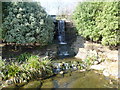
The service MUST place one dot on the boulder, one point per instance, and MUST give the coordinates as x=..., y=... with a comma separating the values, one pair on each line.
x=97, y=67
x=82, y=53
x=113, y=55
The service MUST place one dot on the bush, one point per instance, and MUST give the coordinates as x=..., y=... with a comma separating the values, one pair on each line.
x=98, y=21
x=26, y=22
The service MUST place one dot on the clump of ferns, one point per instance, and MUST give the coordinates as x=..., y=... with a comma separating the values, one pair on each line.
x=30, y=68
x=36, y=67
x=46, y=67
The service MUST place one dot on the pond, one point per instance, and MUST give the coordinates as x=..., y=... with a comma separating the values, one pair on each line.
x=79, y=79
x=87, y=79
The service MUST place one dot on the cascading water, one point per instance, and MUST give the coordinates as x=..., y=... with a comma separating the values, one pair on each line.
x=63, y=52
x=61, y=32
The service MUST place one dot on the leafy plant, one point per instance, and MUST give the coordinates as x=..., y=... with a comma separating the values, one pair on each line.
x=2, y=63
x=0, y=34
x=33, y=62
x=90, y=60
x=32, y=67
x=98, y=21
x=12, y=70
x=26, y=22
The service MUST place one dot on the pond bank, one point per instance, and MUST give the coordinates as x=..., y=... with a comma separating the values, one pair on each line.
x=107, y=59
x=108, y=68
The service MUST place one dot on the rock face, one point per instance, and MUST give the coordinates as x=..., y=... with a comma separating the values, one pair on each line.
x=78, y=44
x=113, y=55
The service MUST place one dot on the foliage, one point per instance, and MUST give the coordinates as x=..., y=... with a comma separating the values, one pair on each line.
x=98, y=21
x=23, y=57
x=26, y=22
x=2, y=66
x=12, y=70
x=2, y=63
x=90, y=60
x=30, y=68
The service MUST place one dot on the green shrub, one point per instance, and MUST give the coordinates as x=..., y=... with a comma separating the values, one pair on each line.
x=27, y=22
x=98, y=21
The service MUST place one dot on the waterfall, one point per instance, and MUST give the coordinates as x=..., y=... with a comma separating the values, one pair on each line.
x=61, y=32
x=61, y=38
